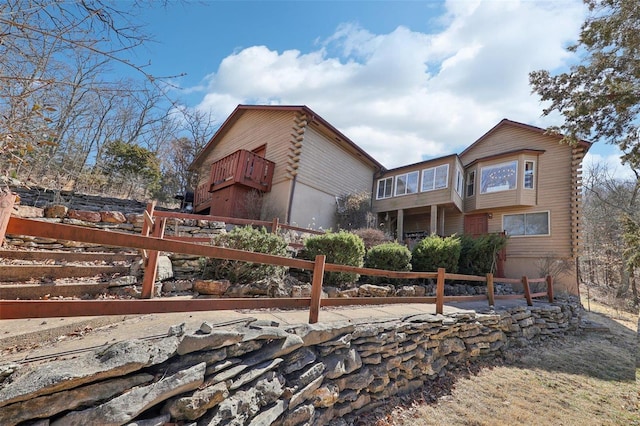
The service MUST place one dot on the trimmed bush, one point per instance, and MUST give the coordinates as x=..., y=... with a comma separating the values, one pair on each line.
x=435, y=252
x=342, y=248
x=371, y=237
x=390, y=257
x=248, y=239
x=478, y=254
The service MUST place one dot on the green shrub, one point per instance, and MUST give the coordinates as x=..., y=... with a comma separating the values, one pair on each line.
x=478, y=254
x=342, y=248
x=435, y=252
x=247, y=239
x=390, y=257
x=371, y=236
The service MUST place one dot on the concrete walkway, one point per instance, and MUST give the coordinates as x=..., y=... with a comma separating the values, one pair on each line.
x=28, y=339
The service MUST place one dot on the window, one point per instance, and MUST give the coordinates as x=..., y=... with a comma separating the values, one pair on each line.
x=407, y=183
x=498, y=177
x=471, y=183
x=384, y=188
x=435, y=178
x=526, y=224
x=459, y=181
x=529, y=170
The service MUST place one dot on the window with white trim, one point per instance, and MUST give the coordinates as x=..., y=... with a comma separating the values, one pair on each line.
x=471, y=183
x=407, y=183
x=498, y=177
x=435, y=178
x=526, y=224
x=529, y=174
x=459, y=181
x=385, y=188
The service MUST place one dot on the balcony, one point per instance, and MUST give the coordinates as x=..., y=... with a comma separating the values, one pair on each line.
x=242, y=167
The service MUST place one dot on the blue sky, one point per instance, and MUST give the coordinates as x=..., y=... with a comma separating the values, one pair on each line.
x=405, y=80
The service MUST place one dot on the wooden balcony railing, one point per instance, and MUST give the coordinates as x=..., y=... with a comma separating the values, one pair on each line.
x=242, y=167
x=202, y=197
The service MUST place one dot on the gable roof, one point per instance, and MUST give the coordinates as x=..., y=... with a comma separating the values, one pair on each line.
x=507, y=122
x=314, y=118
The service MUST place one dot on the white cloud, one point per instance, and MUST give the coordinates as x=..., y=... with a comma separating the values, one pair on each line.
x=406, y=95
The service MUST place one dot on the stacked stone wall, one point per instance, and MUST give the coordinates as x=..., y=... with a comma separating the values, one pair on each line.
x=263, y=374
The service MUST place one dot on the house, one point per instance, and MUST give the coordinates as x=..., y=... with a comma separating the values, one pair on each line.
x=515, y=179
x=280, y=161
x=287, y=161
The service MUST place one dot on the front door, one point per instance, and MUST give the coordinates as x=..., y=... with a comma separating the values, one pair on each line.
x=476, y=224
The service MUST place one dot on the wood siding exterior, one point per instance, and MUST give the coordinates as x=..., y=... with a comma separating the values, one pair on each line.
x=308, y=153
x=552, y=191
x=442, y=196
x=330, y=168
x=252, y=130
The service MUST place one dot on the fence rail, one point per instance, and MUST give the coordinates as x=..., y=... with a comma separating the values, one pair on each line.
x=152, y=241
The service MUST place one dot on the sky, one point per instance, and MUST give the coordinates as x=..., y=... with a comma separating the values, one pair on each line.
x=405, y=80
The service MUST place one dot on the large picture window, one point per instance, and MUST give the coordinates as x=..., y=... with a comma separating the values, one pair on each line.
x=498, y=177
x=435, y=178
x=385, y=188
x=407, y=183
x=526, y=224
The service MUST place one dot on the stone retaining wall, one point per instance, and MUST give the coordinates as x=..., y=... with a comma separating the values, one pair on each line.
x=106, y=219
x=263, y=374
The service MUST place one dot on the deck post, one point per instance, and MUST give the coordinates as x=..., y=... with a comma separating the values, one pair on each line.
x=527, y=291
x=316, y=288
x=151, y=263
x=440, y=291
x=275, y=224
x=7, y=200
x=550, y=288
x=490, y=291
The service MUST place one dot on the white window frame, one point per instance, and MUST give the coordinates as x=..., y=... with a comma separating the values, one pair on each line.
x=406, y=185
x=532, y=172
x=433, y=187
x=498, y=166
x=459, y=181
x=471, y=184
x=548, y=213
x=383, y=181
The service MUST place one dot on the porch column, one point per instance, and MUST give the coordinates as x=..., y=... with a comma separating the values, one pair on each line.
x=400, y=226
x=441, y=222
x=433, y=226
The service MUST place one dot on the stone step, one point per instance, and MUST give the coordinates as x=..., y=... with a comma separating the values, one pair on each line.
x=67, y=256
x=14, y=273
x=42, y=291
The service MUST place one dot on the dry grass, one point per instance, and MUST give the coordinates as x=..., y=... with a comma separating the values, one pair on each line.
x=587, y=379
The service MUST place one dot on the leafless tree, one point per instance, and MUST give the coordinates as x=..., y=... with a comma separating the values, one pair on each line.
x=606, y=200
x=59, y=103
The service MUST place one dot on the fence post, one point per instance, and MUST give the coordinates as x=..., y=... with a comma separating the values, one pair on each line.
x=147, y=224
x=7, y=199
x=316, y=288
x=274, y=225
x=440, y=291
x=490, y=290
x=527, y=291
x=550, y=288
x=151, y=263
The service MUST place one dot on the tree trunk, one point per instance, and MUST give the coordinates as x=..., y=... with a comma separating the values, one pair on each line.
x=634, y=288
